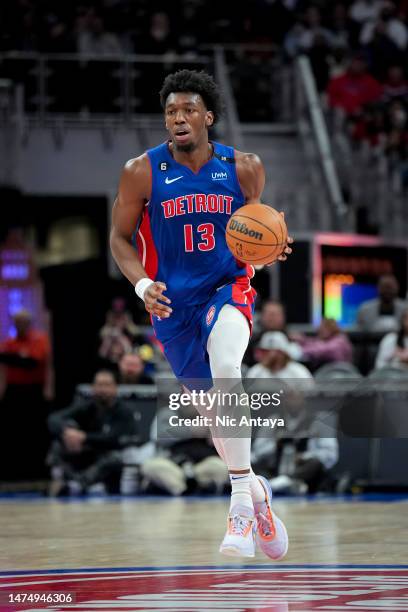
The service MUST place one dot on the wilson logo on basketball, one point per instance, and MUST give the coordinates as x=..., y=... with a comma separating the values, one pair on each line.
x=210, y=315
x=243, y=229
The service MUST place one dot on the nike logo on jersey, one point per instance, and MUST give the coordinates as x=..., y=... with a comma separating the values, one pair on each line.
x=168, y=180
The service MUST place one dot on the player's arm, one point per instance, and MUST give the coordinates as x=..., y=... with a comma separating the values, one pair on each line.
x=251, y=176
x=134, y=191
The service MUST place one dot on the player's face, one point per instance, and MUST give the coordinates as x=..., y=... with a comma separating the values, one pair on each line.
x=187, y=120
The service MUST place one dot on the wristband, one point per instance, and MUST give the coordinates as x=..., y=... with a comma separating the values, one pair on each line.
x=142, y=285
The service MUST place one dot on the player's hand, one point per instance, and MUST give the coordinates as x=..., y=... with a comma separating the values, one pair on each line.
x=155, y=301
x=283, y=256
x=73, y=439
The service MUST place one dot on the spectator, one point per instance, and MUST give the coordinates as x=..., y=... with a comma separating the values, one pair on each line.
x=352, y=90
x=340, y=26
x=363, y=11
x=132, y=371
x=93, y=39
x=395, y=85
x=303, y=36
x=186, y=460
x=329, y=346
x=113, y=348
x=27, y=355
x=90, y=436
x=396, y=145
x=275, y=360
x=159, y=37
x=272, y=318
x=387, y=25
x=382, y=313
x=300, y=456
x=393, y=348
x=120, y=319
x=26, y=358
x=299, y=464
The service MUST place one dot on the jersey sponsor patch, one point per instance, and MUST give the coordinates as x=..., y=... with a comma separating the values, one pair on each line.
x=210, y=315
x=219, y=176
x=242, y=589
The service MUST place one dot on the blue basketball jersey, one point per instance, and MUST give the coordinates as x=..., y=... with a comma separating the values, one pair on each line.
x=181, y=237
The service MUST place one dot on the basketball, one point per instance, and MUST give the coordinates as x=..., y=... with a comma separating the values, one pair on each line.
x=256, y=234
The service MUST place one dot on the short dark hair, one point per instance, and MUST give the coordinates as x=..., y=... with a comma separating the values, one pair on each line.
x=111, y=373
x=195, y=82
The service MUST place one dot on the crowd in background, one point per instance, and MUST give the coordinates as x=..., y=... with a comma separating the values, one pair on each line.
x=97, y=440
x=358, y=51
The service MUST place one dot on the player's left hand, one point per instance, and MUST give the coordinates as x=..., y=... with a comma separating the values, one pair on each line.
x=287, y=251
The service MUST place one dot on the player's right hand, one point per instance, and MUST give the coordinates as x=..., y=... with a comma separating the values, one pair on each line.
x=154, y=298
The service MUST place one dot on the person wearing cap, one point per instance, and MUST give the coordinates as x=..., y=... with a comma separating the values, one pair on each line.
x=274, y=358
x=300, y=456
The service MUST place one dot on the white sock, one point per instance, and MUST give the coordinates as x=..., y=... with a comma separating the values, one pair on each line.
x=240, y=490
x=226, y=346
x=257, y=490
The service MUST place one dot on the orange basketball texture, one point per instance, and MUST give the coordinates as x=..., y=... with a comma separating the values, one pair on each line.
x=256, y=234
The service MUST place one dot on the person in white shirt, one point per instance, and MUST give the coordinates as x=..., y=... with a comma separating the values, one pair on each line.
x=274, y=360
x=393, y=348
x=300, y=456
x=362, y=11
x=387, y=24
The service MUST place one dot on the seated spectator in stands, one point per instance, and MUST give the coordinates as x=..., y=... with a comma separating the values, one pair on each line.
x=90, y=436
x=186, y=460
x=330, y=345
x=275, y=361
x=383, y=313
x=299, y=464
x=363, y=11
x=395, y=85
x=299, y=456
x=132, y=371
x=396, y=144
x=369, y=126
x=158, y=37
x=112, y=349
x=353, y=89
x=387, y=24
x=272, y=318
x=118, y=318
x=340, y=26
x=311, y=38
x=393, y=348
x=303, y=36
x=93, y=39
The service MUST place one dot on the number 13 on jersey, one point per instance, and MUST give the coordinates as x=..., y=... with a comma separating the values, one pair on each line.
x=205, y=241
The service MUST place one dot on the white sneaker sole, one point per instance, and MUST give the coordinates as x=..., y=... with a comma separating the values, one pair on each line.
x=234, y=551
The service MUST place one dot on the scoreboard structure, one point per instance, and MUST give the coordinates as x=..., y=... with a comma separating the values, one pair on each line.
x=330, y=275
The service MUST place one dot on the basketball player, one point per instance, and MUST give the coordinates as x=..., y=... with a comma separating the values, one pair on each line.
x=179, y=196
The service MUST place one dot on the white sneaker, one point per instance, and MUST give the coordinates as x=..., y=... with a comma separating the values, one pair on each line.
x=271, y=536
x=239, y=541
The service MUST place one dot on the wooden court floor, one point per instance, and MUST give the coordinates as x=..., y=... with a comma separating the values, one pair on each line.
x=148, y=533
x=54, y=534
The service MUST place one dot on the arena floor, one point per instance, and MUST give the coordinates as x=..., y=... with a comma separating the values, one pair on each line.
x=160, y=553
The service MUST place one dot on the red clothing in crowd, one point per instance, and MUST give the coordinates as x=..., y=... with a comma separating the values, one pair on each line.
x=352, y=91
x=34, y=345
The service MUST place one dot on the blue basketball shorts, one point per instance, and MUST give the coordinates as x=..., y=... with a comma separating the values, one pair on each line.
x=184, y=334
